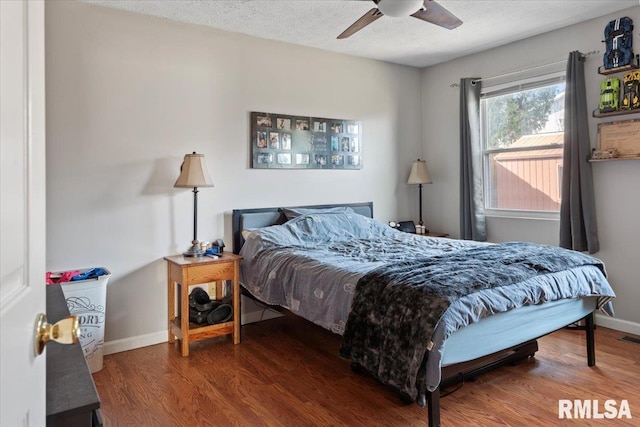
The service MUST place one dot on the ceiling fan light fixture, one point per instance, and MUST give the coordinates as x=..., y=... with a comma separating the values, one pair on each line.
x=399, y=8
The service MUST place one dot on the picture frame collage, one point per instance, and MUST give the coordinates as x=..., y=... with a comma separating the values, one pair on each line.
x=282, y=141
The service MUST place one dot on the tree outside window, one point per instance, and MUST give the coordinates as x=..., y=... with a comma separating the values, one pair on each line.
x=523, y=133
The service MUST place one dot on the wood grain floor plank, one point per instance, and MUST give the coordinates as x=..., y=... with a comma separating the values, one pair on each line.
x=286, y=372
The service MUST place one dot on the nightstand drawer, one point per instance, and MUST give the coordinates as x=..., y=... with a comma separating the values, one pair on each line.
x=201, y=273
x=209, y=273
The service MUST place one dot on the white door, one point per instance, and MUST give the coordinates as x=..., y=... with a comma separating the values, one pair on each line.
x=22, y=211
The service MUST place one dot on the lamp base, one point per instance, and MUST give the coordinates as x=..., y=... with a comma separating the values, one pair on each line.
x=194, y=250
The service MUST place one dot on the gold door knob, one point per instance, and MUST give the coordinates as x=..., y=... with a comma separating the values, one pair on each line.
x=65, y=331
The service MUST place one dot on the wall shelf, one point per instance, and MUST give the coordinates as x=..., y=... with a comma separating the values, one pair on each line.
x=613, y=159
x=598, y=114
x=607, y=71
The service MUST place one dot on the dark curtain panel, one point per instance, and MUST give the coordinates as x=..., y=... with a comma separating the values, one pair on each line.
x=578, y=229
x=472, y=222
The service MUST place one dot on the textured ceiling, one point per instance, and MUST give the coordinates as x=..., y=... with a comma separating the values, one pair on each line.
x=316, y=23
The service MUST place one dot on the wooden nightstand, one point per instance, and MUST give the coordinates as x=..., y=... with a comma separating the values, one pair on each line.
x=434, y=234
x=183, y=272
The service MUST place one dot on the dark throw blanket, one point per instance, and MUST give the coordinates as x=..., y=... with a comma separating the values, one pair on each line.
x=396, y=307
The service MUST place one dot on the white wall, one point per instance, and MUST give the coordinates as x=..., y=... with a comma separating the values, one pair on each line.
x=129, y=95
x=616, y=183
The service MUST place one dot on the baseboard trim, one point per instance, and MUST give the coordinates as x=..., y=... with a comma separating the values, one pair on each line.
x=132, y=343
x=618, y=324
x=160, y=337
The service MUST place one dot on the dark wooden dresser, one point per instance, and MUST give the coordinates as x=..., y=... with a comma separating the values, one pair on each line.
x=72, y=399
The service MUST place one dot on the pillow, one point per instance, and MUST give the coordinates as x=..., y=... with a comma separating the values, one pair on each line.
x=246, y=233
x=313, y=229
x=291, y=213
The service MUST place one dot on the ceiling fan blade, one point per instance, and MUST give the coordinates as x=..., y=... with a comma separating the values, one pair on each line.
x=365, y=20
x=438, y=15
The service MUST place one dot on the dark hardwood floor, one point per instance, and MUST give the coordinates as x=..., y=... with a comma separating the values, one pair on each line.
x=286, y=372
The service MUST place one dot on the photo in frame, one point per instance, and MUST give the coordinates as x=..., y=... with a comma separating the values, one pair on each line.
x=282, y=141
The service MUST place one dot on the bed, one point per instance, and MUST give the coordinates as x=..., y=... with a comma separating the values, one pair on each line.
x=331, y=264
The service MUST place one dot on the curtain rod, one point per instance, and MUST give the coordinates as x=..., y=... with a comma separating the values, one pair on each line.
x=582, y=55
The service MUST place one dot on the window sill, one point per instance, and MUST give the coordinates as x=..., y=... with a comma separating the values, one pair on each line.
x=535, y=215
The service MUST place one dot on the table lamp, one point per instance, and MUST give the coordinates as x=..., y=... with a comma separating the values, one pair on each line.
x=419, y=175
x=194, y=174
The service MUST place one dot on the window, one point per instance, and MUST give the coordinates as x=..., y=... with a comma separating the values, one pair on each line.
x=522, y=138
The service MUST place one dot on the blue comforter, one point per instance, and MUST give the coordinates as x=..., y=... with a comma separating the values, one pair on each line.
x=311, y=264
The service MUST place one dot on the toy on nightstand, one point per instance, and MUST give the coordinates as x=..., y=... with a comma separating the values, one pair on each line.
x=217, y=247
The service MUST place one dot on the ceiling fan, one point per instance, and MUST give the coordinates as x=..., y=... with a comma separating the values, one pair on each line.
x=427, y=10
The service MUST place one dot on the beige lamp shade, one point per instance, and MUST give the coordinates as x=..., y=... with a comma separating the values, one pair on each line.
x=419, y=173
x=193, y=172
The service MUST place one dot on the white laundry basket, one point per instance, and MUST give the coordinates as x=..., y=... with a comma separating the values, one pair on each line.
x=87, y=299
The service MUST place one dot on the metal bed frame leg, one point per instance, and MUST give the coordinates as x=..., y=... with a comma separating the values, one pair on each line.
x=591, y=348
x=433, y=405
x=433, y=397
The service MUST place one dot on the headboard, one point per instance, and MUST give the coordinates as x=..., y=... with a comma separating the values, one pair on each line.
x=263, y=217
